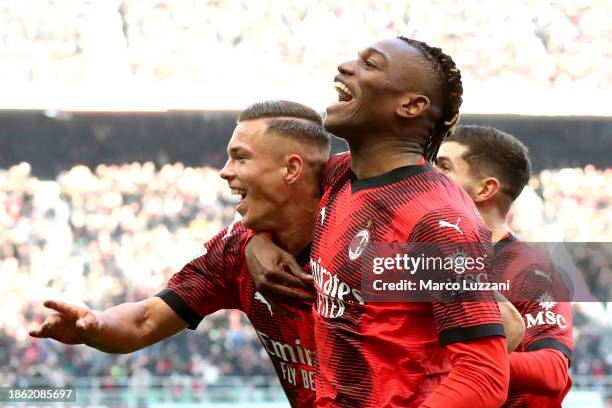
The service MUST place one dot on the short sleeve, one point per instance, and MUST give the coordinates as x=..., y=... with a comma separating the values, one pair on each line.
x=209, y=282
x=463, y=315
x=542, y=301
x=540, y=293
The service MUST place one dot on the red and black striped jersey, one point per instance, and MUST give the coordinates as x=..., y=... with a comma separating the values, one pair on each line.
x=541, y=294
x=219, y=279
x=389, y=354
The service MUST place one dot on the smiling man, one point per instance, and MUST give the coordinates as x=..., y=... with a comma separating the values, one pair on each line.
x=275, y=157
x=397, y=101
x=494, y=167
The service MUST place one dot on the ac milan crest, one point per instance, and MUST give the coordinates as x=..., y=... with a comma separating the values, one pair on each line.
x=359, y=244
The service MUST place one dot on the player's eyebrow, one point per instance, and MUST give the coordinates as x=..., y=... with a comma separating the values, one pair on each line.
x=370, y=51
x=234, y=150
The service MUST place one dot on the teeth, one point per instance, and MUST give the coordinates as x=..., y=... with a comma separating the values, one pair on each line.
x=343, y=87
x=236, y=191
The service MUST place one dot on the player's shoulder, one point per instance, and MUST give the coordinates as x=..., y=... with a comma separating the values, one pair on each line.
x=336, y=171
x=230, y=238
x=449, y=194
x=220, y=257
x=235, y=230
x=447, y=201
x=519, y=250
x=337, y=164
x=519, y=258
x=436, y=205
x=341, y=157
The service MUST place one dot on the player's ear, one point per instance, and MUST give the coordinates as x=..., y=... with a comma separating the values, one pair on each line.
x=413, y=106
x=487, y=189
x=294, y=166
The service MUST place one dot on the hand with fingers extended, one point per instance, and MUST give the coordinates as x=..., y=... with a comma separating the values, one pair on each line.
x=278, y=277
x=69, y=324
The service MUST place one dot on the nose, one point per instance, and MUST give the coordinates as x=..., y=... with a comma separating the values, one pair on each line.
x=347, y=67
x=227, y=172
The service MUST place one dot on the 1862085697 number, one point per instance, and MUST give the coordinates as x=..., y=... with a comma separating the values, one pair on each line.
x=30, y=394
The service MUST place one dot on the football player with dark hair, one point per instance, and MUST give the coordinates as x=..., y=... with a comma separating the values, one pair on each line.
x=494, y=167
x=397, y=101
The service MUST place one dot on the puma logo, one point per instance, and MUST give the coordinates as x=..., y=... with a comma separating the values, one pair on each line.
x=228, y=233
x=449, y=225
x=259, y=296
x=543, y=274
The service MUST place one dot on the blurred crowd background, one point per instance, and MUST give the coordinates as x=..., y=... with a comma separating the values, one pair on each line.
x=195, y=50
x=110, y=233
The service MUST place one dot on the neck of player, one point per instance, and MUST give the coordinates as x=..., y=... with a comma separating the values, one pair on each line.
x=297, y=220
x=371, y=157
x=495, y=220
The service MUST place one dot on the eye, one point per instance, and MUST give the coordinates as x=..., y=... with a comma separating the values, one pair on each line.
x=368, y=64
x=444, y=168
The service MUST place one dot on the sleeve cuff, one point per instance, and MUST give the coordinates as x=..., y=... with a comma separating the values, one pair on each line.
x=180, y=307
x=550, y=343
x=462, y=334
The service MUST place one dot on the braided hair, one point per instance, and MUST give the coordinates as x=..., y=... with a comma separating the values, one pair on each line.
x=449, y=80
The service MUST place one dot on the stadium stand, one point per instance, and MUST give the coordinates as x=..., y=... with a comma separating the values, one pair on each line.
x=144, y=47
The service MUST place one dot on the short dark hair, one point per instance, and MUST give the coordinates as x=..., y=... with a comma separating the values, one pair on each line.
x=291, y=119
x=495, y=153
x=446, y=77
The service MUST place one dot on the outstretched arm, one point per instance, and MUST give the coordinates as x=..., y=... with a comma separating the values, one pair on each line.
x=203, y=286
x=121, y=329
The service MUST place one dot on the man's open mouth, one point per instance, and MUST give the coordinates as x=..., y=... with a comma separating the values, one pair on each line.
x=239, y=192
x=344, y=92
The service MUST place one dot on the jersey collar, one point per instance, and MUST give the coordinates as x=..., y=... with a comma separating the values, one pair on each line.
x=393, y=176
x=506, y=239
